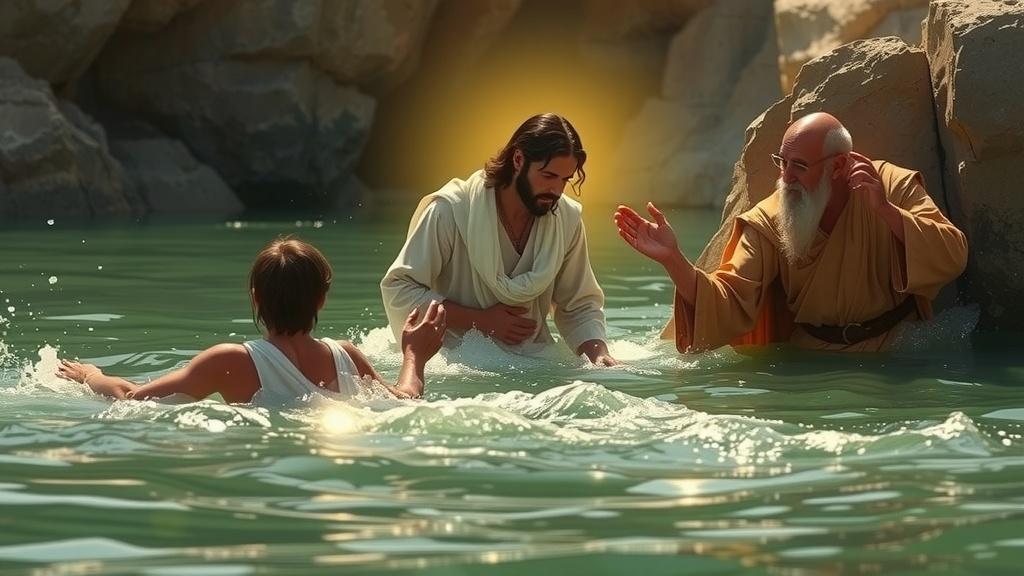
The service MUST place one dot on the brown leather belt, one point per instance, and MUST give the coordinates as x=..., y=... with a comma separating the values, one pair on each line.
x=860, y=331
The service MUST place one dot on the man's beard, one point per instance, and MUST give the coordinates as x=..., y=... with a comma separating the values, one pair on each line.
x=531, y=202
x=800, y=214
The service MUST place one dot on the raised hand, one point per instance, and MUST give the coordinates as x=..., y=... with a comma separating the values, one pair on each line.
x=505, y=323
x=423, y=338
x=656, y=239
x=865, y=180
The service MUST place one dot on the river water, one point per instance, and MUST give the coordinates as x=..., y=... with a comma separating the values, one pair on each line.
x=782, y=462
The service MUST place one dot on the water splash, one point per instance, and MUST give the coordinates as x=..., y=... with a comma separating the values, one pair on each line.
x=949, y=330
x=575, y=419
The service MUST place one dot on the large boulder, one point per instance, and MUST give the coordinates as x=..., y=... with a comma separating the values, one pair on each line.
x=614, y=20
x=464, y=39
x=879, y=89
x=168, y=177
x=720, y=73
x=281, y=134
x=978, y=82
x=365, y=43
x=152, y=15
x=57, y=40
x=273, y=94
x=460, y=33
x=373, y=44
x=54, y=160
x=810, y=28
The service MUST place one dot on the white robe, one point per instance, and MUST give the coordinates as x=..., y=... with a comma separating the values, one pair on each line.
x=438, y=263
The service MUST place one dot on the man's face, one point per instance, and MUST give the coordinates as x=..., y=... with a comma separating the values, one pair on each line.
x=540, y=186
x=803, y=161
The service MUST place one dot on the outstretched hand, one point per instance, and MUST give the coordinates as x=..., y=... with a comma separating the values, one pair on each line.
x=93, y=377
x=656, y=240
x=423, y=338
x=76, y=371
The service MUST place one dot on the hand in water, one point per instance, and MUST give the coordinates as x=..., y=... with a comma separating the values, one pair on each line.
x=597, y=352
x=76, y=371
x=92, y=377
x=423, y=339
x=656, y=239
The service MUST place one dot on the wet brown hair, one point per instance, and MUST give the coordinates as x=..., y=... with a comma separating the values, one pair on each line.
x=288, y=280
x=540, y=138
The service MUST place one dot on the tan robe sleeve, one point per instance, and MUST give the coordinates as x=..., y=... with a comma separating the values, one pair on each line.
x=935, y=251
x=409, y=282
x=729, y=300
x=577, y=298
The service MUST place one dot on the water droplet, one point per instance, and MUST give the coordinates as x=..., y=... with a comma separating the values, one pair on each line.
x=53, y=280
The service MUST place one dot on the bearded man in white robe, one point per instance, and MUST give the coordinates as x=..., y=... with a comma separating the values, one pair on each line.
x=505, y=247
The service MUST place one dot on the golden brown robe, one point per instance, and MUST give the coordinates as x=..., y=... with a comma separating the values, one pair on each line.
x=853, y=274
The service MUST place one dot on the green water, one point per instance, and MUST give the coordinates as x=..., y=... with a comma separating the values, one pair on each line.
x=785, y=462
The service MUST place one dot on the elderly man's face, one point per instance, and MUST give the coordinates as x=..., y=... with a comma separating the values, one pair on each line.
x=802, y=162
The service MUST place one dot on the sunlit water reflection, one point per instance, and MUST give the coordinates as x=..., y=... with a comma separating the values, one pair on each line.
x=779, y=461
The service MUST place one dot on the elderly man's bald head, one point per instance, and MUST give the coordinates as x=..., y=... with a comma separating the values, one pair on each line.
x=817, y=135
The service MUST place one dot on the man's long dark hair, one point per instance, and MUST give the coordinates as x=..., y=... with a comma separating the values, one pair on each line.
x=540, y=138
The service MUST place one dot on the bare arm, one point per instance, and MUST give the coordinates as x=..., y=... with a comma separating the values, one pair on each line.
x=224, y=368
x=420, y=342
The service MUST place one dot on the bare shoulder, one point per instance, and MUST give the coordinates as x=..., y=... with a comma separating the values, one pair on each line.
x=226, y=356
x=347, y=346
x=224, y=351
x=358, y=358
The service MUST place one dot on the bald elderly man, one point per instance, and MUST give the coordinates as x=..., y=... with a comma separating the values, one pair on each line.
x=839, y=257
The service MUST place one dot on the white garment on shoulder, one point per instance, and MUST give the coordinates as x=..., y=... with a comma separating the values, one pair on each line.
x=281, y=381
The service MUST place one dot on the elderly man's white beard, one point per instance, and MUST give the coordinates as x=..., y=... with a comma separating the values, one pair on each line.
x=800, y=214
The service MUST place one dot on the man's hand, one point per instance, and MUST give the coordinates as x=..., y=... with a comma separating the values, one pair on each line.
x=656, y=240
x=505, y=323
x=423, y=339
x=597, y=352
x=865, y=180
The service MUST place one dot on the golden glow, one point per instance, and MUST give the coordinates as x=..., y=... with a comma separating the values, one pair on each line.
x=441, y=126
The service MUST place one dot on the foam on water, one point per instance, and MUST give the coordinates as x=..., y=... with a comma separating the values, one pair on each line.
x=567, y=421
x=949, y=330
x=477, y=355
x=582, y=416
